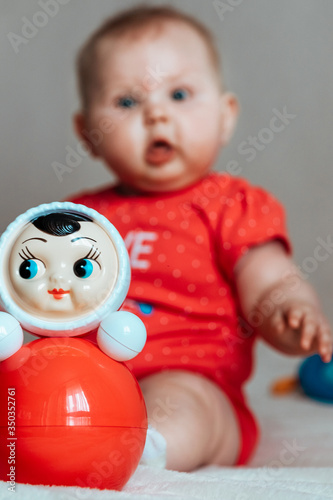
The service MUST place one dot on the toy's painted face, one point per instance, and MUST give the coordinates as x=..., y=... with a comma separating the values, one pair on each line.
x=62, y=277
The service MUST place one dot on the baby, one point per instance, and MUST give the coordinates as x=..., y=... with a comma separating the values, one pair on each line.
x=210, y=256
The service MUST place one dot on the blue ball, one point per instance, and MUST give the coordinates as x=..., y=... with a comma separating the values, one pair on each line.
x=316, y=378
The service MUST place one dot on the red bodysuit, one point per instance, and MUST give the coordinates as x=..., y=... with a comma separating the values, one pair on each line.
x=183, y=247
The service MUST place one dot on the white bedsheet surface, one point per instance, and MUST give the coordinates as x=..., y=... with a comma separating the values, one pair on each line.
x=294, y=459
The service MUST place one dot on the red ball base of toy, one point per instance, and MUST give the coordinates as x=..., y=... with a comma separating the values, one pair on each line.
x=78, y=417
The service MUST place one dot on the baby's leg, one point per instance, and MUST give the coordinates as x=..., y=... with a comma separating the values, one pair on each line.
x=194, y=416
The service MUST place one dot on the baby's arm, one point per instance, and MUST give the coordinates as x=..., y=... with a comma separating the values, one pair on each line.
x=279, y=304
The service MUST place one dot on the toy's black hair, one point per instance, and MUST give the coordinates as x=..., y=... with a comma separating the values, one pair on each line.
x=60, y=223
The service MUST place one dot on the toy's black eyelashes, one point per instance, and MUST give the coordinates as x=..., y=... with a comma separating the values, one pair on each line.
x=27, y=254
x=93, y=255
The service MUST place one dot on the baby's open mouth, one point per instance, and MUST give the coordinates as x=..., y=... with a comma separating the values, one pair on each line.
x=159, y=152
x=58, y=294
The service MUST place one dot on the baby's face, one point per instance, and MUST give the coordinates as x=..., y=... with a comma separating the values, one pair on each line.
x=62, y=277
x=161, y=98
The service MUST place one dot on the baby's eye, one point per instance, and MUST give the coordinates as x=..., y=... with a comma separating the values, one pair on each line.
x=126, y=102
x=84, y=268
x=180, y=94
x=31, y=268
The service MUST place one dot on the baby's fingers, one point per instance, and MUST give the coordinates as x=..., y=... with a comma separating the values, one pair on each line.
x=295, y=317
x=306, y=320
x=316, y=332
x=325, y=342
x=278, y=322
x=309, y=329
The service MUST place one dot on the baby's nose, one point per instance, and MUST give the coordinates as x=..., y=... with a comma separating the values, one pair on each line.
x=156, y=112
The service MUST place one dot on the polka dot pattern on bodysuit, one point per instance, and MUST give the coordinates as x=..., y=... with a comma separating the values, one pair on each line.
x=183, y=248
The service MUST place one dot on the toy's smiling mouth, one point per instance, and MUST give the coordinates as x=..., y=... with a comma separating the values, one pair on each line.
x=159, y=152
x=58, y=294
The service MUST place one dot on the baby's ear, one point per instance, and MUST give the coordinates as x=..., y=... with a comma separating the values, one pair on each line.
x=82, y=131
x=229, y=114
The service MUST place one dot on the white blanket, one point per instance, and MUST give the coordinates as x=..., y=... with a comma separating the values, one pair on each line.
x=294, y=459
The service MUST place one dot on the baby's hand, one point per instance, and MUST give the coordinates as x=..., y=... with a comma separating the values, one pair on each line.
x=305, y=326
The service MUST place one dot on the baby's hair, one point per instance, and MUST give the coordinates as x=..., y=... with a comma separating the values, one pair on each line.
x=132, y=22
x=60, y=223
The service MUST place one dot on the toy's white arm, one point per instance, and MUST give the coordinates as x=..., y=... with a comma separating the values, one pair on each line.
x=121, y=335
x=11, y=336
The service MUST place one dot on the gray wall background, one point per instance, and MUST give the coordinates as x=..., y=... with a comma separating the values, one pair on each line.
x=276, y=55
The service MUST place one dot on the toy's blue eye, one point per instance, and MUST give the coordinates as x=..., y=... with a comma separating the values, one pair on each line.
x=83, y=268
x=126, y=102
x=28, y=269
x=180, y=95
